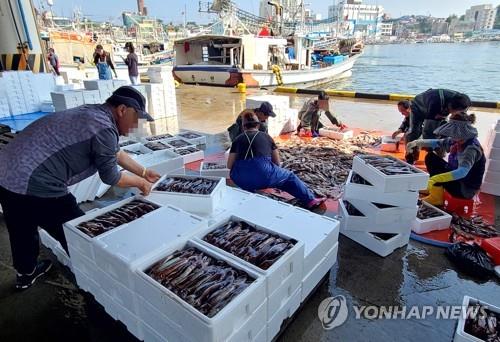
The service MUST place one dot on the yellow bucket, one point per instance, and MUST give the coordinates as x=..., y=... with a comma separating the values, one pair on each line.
x=242, y=88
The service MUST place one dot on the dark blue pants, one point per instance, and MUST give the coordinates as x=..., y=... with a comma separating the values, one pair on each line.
x=260, y=173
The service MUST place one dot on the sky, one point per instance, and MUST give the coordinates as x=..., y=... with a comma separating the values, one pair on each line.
x=171, y=10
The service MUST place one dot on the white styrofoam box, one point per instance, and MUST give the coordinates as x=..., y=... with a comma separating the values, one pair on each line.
x=389, y=144
x=118, y=292
x=201, y=204
x=265, y=211
x=122, y=314
x=102, y=189
x=222, y=172
x=391, y=183
x=81, y=190
x=460, y=334
x=190, y=157
x=98, y=84
x=47, y=107
x=94, y=187
x=119, y=83
x=382, y=213
x=80, y=242
x=366, y=223
x=66, y=99
x=406, y=199
x=286, y=311
x=492, y=177
x=183, y=143
x=64, y=87
x=105, y=94
x=490, y=188
x=163, y=162
x=193, y=137
x=493, y=165
x=494, y=153
x=86, y=283
x=197, y=326
x=55, y=246
x=333, y=133
x=44, y=83
x=434, y=223
x=232, y=199
x=91, y=97
x=322, y=233
x=377, y=244
x=85, y=271
x=139, y=148
x=312, y=279
x=119, y=252
x=283, y=277
x=152, y=138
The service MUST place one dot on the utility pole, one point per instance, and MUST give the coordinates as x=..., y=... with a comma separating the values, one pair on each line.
x=185, y=20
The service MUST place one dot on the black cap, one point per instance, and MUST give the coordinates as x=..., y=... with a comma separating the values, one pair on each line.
x=267, y=109
x=131, y=97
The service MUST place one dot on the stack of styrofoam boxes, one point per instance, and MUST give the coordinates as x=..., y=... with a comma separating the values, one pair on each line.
x=55, y=246
x=105, y=87
x=4, y=104
x=14, y=92
x=193, y=137
x=386, y=206
x=29, y=90
x=66, y=99
x=491, y=183
x=91, y=97
x=119, y=83
x=281, y=106
x=220, y=171
x=161, y=92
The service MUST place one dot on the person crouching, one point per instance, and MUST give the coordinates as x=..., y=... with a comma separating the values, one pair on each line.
x=462, y=175
x=254, y=163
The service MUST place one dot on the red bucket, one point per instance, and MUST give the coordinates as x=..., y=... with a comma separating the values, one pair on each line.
x=492, y=247
x=460, y=206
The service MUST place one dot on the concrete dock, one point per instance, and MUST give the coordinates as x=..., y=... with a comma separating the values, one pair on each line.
x=56, y=310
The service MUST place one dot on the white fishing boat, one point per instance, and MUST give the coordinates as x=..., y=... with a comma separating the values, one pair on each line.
x=257, y=61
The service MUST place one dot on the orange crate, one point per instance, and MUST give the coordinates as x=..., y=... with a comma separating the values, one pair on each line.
x=492, y=247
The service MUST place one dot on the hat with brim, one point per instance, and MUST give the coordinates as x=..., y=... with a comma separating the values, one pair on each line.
x=131, y=97
x=267, y=109
x=457, y=129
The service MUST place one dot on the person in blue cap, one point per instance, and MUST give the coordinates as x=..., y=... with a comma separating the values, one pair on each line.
x=263, y=112
x=57, y=151
x=254, y=163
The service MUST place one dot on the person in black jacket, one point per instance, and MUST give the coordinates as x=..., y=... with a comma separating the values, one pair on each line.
x=263, y=113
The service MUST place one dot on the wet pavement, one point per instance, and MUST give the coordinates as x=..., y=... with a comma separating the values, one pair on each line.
x=417, y=274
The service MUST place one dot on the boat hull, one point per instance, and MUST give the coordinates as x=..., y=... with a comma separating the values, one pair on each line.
x=230, y=77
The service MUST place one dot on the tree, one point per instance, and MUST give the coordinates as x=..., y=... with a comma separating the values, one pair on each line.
x=450, y=18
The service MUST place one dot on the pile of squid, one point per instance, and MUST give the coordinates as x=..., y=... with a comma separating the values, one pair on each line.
x=214, y=166
x=464, y=229
x=244, y=241
x=351, y=209
x=186, y=150
x=126, y=143
x=157, y=146
x=483, y=323
x=178, y=143
x=159, y=137
x=203, y=282
x=426, y=212
x=190, y=135
x=200, y=186
x=388, y=165
x=117, y=217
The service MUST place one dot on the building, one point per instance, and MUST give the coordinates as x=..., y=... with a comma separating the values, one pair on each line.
x=460, y=28
x=439, y=28
x=386, y=29
x=483, y=16
x=356, y=17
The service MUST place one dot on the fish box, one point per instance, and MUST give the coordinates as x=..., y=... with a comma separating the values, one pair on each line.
x=283, y=277
x=190, y=154
x=379, y=213
x=363, y=223
x=490, y=188
x=84, y=244
x=422, y=226
x=389, y=144
x=320, y=235
x=381, y=244
x=135, y=150
x=493, y=165
x=494, y=153
x=158, y=145
x=334, y=133
x=358, y=188
x=176, y=143
x=468, y=303
x=163, y=162
x=156, y=137
x=122, y=314
x=85, y=271
x=233, y=198
x=492, y=177
x=127, y=142
x=215, y=169
x=119, y=252
x=193, y=137
x=312, y=279
x=185, y=318
x=196, y=203
x=55, y=246
x=98, y=85
x=385, y=183
x=284, y=312
x=264, y=210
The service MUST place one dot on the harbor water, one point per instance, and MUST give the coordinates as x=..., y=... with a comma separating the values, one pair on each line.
x=473, y=68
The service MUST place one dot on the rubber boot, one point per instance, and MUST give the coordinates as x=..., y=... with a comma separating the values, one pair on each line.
x=435, y=197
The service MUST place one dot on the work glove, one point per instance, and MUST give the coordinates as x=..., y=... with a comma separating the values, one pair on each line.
x=441, y=178
x=395, y=134
x=342, y=127
x=411, y=146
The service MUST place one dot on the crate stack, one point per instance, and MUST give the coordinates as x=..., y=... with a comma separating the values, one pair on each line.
x=491, y=182
x=378, y=209
x=281, y=106
x=114, y=265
